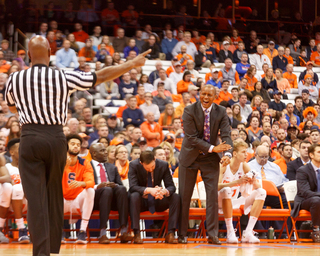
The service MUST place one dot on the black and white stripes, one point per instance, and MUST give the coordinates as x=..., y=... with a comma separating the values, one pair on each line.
x=40, y=93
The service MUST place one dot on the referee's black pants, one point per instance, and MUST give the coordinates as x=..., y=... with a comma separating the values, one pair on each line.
x=43, y=152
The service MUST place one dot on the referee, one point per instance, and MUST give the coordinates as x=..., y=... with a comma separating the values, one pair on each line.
x=40, y=95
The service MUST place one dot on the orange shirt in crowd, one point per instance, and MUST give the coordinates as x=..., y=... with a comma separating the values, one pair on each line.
x=225, y=96
x=120, y=111
x=315, y=56
x=216, y=46
x=53, y=47
x=284, y=85
x=217, y=100
x=282, y=164
x=4, y=67
x=140, y=101
x=123, y=170
x=292, y=79
x=235, y=41
x=249, y=156
x=109, y=48
x=106, y=12
x=180, y=56
x=88, y=54
x=130, y=17
x=275, y=155
x=81, y=171
x=208, y=76
x=88, y=157
x=179, y=110
x=168, y=121
x=251, y=82
x=182, y=86
x=232, y=48
x=301, y=125
x=268, y=53
x=153, y=135
x=236, y=76
x=179, y=139
x=201, y=40
x=169, y=71
x=80, y=36
x=289, y=58
x=176, y=97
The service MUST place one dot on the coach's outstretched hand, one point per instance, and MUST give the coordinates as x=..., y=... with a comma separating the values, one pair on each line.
x=140, y=60
x=221, y=147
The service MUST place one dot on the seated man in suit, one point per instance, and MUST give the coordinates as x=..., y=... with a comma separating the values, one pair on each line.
x=145, y=176
x=308, y=195
x=110, y=194
x=294, y=165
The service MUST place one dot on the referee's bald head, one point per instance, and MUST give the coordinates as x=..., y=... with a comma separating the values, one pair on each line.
x=39, y=50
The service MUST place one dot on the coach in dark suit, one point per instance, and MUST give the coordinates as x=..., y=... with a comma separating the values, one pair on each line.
x=308, y=196
x=200, y=147
x=294, y=165
x=146, y=193
x=110, y=194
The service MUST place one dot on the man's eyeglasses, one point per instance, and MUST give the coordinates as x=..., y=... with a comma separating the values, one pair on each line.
x=263, y=157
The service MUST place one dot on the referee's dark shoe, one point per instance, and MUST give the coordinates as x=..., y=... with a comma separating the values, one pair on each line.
x=182, y=240
x=81, y=237
x=213, y=240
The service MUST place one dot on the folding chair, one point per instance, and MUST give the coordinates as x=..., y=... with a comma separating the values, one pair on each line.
x=290, y=189
x=274, y=214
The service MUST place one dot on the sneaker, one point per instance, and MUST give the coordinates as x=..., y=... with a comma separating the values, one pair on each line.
x=3, y=239
x=63, y=238
x=231, y=237
x=249, y=237
x=23, y=236
x=81, y=237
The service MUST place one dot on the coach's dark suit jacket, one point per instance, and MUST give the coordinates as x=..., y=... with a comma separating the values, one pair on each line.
x=292, y=168
x=138, y=176
x=112, y=174
x=307, y=187
x=193, y=124
x=234, y=123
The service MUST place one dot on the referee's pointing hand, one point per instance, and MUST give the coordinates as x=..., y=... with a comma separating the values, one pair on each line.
x=140, y=60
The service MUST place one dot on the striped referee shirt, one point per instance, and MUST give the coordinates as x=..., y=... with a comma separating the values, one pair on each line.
x=40, y=93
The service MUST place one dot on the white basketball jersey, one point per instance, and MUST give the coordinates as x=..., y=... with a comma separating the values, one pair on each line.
x=228, y=177
x=14, y=173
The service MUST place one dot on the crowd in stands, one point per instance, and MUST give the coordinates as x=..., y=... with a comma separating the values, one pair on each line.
x=251, y=82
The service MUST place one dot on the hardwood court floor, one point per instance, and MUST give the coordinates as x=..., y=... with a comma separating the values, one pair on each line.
x=160, y=249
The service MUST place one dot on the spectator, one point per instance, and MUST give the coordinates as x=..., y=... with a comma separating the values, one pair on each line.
x=311, y=48
x=177, y=75
x=290, y=112
x=144, y=80
x=126, y=87
x=154, y=75
x=287, y=55
x=52, y=42
x=73, y=44
x=237, y=55
x=148, y=32
x=185, y=102
x=251, y=80
x=132, y=115
x=138, y=38
x=167, y=116
x=130, y=16
x=228, y=73
x=102, y=53
x=215, y=80
x=279, y=61
x=194, y=73
x=254, y=131
x=282, y=83
x=191, y=48
x=269, y=83
x=8, y=55
x=66, y=56
x=182, y=85
x=286, y=157
x=109, y=90
x=87, y=15
x=270, y=52
x=235, y=97
x=315, y=57
x=224, y=95
x=88, y=51
x=151, y=44
x=258, y=59
x=109, y=18
x=168, y=83
x=225, y=53
x=82, y=64
x=171, y=68
x=116, y=58
x=152, y=131
x=183, y=57
x=298, y=107
x=133, y=77
x=108, y=45
x=214, y=44
x=202, y=58
x=120, y=41
x=295, y=49
x=245, y=110
x=309, y=67
x=277, y=104
x=96, y=37
x=235, y=38
x=135, y=136
x=161, y=99
x=198, y=39
x=167, y=44
x=210, y=50
x=259, y=90
x=140, y=95
x=306, y=85
x=306, y=100
x=43, y=30
x=148, y=106
x=131, y=47
x=292, y=78
x=242, y=66
x=80, y=35
x=252, y=43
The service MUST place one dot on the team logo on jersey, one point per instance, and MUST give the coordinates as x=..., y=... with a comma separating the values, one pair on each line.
x=16, y=179
x=71, y=177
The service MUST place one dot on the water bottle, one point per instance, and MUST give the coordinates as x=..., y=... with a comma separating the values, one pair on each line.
x=271, y=233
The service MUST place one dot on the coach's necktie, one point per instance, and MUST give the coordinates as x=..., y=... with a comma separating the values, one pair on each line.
x=151, y=200
x=318, y=179
x=263, y=174
x=103, y=176
x=206, y=134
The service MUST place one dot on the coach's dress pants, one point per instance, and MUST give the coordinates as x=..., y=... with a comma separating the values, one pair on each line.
x=43, y=152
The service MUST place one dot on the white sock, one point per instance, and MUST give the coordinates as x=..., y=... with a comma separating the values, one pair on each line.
x=20, y=223
x=84, y=225
x=252, y=221
x=229, y=224
x=2, y=221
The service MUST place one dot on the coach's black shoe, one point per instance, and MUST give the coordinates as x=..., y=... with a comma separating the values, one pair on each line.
x=182, y=240
x=81, y=237
x=23, y=236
